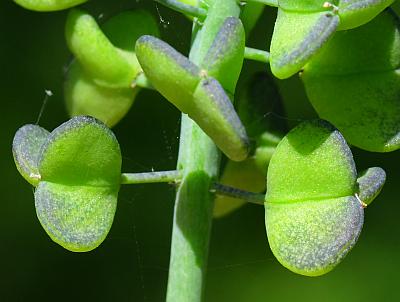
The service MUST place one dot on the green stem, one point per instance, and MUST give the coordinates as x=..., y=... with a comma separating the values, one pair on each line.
x=175, y=177
x=186, y=9
x=142, y=81
x=199, y=161
x=256, y=55
x=221, y=189
x=273, y=3
x=150, y=177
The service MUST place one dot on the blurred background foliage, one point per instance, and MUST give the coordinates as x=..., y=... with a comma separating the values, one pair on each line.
x=132, y=264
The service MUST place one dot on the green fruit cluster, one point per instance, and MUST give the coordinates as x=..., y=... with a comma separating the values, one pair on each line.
x=348, y=56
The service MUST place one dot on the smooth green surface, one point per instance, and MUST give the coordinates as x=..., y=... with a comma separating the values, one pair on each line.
x=80, y=168
x=48, y=5
x=312, y=216
x=358, y=91
x=26, y=148
x=371, y=182
x=297, y=37
x=106, y=99
x=195, y=93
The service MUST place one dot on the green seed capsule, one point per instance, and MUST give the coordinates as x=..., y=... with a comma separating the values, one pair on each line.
x=312, y=215
x=354, y=13
x=297, y=37
x=102, y=61
x=193, y=92
x=370, y=183
x=84, y=97
x=224, y=59
x=77, y=194
x=358, y=91
x=303, y=27
x=26, y=148
x=312, y=237
x=214, y=113
x=48, y=5
x=99, y=81
x=170, y=72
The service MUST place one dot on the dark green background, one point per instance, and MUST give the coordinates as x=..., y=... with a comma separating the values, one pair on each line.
x=132, y=264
